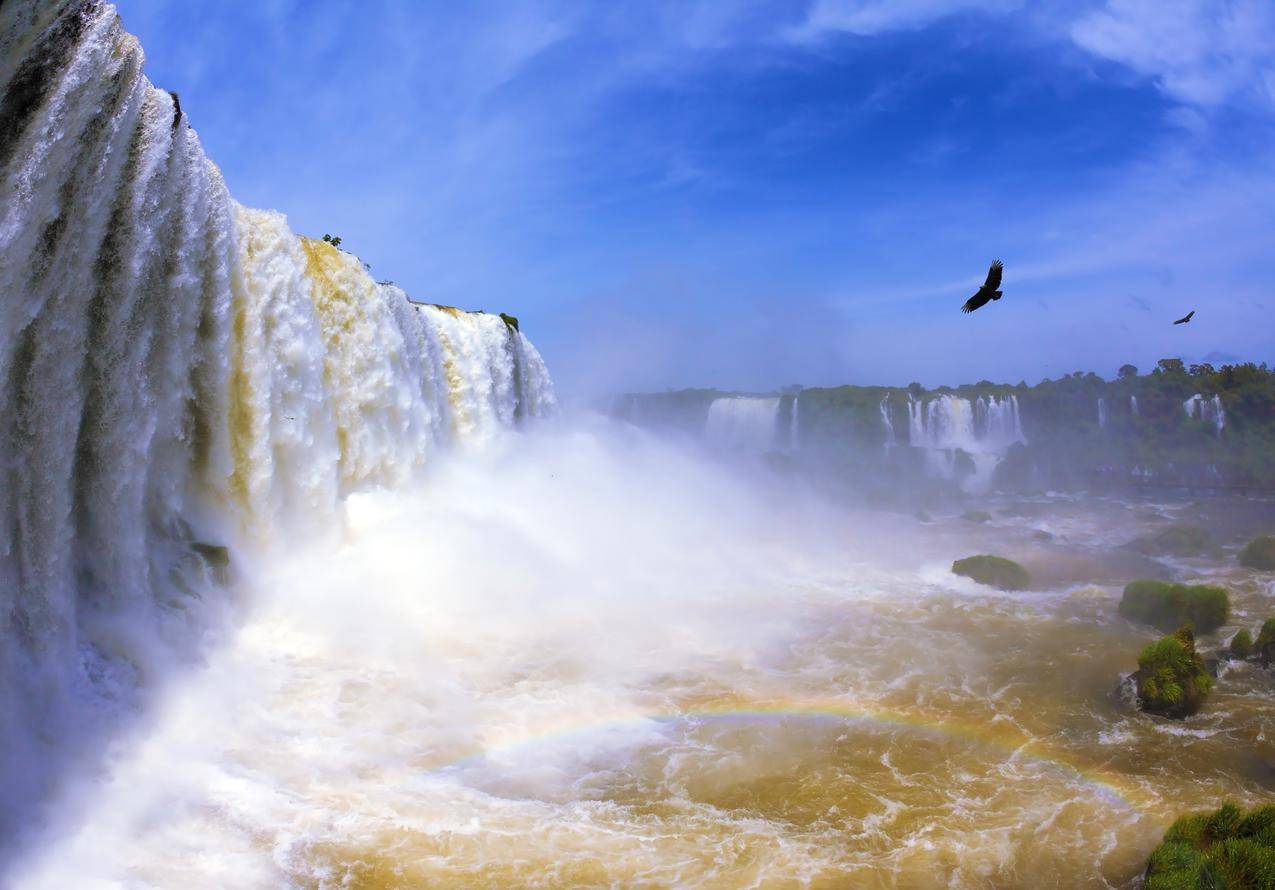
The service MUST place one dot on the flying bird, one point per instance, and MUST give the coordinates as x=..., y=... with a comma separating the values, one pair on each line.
x=1184, y=319
x=988, y=291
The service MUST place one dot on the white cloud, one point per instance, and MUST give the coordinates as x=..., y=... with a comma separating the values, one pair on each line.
x=1202, y=52
x=1199, y=52
x=876, y=16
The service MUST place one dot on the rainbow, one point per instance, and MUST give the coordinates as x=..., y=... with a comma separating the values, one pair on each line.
x=1011, y=742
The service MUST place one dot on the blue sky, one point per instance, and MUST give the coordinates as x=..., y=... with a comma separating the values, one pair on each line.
x=749, y=194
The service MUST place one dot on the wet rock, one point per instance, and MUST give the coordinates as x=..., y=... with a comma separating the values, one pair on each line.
x=1172, y=679
x=976, y=516
x=1165, y=605
x=216, y=557
x=1177, y=540
x=1241, y=645
x=1259, y=553
x=1059, y=567
x=994, y=571
x=1264, y=648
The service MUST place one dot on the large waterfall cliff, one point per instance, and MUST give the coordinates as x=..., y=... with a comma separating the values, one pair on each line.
x=178, y=372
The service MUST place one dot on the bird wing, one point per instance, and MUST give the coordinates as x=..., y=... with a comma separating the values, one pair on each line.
x=994, y=275
x=974, y=302
x=1184, y=319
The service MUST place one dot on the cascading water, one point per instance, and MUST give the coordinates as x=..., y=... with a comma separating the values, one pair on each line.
x=947, y=425
x=175, y=370
x=1102, y=412
x=792, y=432
x=1209, y=410
x=743, y=424
x=1133, y=405
x=890, y=439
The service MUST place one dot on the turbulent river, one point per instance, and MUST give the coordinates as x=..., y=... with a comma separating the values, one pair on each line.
x=585, y=658
x=305, y=584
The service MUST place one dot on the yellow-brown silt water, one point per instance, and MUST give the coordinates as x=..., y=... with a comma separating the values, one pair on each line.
x=588, y=659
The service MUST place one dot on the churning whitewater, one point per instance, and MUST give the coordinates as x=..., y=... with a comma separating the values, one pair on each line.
x=181, y=377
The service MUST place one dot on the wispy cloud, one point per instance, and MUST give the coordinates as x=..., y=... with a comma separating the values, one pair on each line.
x=867, y=17
x=1203, y=52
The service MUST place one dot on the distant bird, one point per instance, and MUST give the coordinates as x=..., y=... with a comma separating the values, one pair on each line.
x=988, y=291
x=1184, y=319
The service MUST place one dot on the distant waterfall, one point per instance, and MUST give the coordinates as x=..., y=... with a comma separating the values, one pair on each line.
x=1133, y=405
x=946, y=425
x=792, y=430
x=1102, y=412
x=743, y=424
x=888, y=424
x=176, y=369
x=1209, y=410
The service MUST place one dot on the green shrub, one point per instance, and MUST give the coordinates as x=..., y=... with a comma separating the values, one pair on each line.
x=1265, y=645
x=1259, y=553
x=995, y=571
x=976, y=516
x=1225, y=849
x=1241, y=646
x=1166, y=606
x=1171, y=678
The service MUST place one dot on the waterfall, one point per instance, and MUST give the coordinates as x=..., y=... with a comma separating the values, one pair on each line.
x=177, y=373
x=888, y=424
x=792, y=432
x=946, y=425
x=1209, y=410
x=1102, y=412
x=1133, y=405
x=743, y=424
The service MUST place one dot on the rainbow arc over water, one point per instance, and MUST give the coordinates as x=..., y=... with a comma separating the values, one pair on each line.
x=1008, y=740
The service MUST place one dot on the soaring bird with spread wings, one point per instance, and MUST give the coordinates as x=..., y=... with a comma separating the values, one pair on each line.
x=1184, y=319
x=988, y=291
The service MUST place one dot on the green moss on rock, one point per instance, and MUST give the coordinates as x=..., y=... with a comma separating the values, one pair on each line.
x=1167, y=606
x=995, y=571
x=1241, y=645
x=1224, y=849
x=1178, y=540
x=976, y=516
x=1259, y=553
x=1264, y=648
x=1171, y=677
